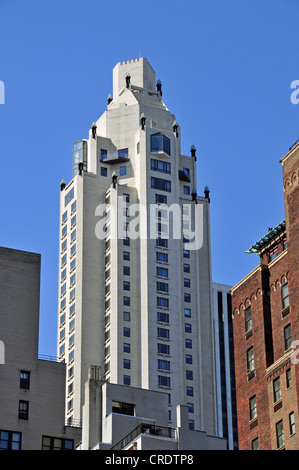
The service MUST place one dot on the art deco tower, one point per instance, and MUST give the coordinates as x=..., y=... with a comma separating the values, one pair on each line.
x=137, y=306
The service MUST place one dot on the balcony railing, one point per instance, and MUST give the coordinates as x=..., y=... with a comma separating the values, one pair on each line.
x=145, y=429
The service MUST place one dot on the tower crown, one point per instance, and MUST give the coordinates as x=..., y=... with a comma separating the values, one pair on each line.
x=139, y=71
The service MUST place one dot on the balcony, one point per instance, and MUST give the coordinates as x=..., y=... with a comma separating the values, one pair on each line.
x=147, y=429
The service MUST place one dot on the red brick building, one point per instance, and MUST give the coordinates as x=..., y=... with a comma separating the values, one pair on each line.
x=266, y=323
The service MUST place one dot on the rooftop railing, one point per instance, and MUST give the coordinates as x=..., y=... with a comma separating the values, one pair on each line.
x=150, y=429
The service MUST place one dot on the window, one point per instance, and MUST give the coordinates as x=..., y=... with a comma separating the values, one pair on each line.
x=64, y=216
x=279, y=434
x=72, y=279
x=186, y=268
x=63, y=245
x=292, y=422
x=252, y=408
x=163, y=272
x=250, y=359
x=158, y=165
x=126, y=285
x=127, y=364
x=285, y=296
x=288, y=378
x=190, y=407
x=10, y=440
x=123, y=408
x=103, y=171
x=103, y=154
x=248, y=319
x=187, y=312
x=187, y=190
x=276, y=389
x=72, y=294
x=189, y=391
x=161, y=184
x=23, y=409
x=273, y=253
x=163, y=317
x=73, y=264
x=163, y=333
x=160, y=199
x=64, y=231
x=163, y=349
x=186, y=253
x=162, y=286
x=127, y=380
x=126, y=270
x=73, y=206
x=126, y=316
x=162, y=302
x=163, y=364
x=127, y=348
x=188, y=359
x=24, y=379
x=163, y=381
x=191, y=424
x=123, y=153
x=163, y=257
x=188, y=343
x=69, y=196
x=122, y=171
x=187, y=298
x=188, y=328
x=126, y=301
x=127, y=332
x=189, y=374
x=255, y=444
x=187, y=282
x=73, y=235
x=163, y=242
x=73, y=221
x=126, y=256
x=287, y=337
x=72, y=309
x=160, y=143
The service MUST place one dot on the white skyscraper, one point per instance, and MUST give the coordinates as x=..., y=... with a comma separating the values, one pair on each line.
x=138, y=304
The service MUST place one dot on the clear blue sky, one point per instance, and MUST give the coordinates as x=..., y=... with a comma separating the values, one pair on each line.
x=226, y=67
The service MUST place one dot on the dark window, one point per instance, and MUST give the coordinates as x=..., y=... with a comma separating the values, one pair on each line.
x=24, y=379
x=103, y=171
x=160, y=199
x=252, y=408
x=126, y=286
x=163, y=349
x=163, y=381
x=127, y=364
x=162, y=185
x=255, y=444
x=126, y=270
x=273, y=253
x=188, y=359
x=287, y=337
x=127, y=348
x=123, y=408
x=191, y=424
x=190, y=407
x=126, y=316
x=163, y=242
x=69, y=196
x=186, y=268
x=288, y=378
x=187, y=312
x=248, y=319
x=188, y=343
x=285, y=296
x=163, y=317
x=158, y=165
x=23, y=409
x=162, y=302
x=162, y=286
x=279, y=434
x=187, y=298
x=187, y=282
x=122, y=171
x=189, y=391
x=187, y=190
x=124, y=153
x=126, y=256
x=127, y=380
x=276, y=389
x=163, y=364
x=103, y=154
x=163, y=257
x=189, y=374
x=188, y=328
x=162, y=333
x=163, y=272
x=127, y=332
x=160, y=143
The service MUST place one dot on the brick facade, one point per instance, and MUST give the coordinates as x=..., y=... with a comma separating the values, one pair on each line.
x=271, y=293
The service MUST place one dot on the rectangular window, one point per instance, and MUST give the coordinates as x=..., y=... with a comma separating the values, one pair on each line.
x=190, y=407
x=126, y=301
x=123, y=153
x=187, y=190
x=187, y=298
x=189, y=374
x=163, y=349
x=186, y=253
x=127, y=364
x=162, y=286
x=187, y=282
x=248, y=320
x=163, y=364
x=158, y=165
x=187, y=312
x=103, y=154
x=160, y=199
x=160, y=271
x=162, y=257
x=64, y=231
x=163, y=333
x=126, y=316
x=287, y=337
x=188, y=343
x=126, y=270
x=24, y=379
x=126, y=256
x=188, y=328
x=189, y=391
x=126, y=285
x=292, y=423
x=127, y=380
x=69, y=196
x=186, y=268
x=276, y=389
x=123, y=408
x=288, y=378
x=163, y=381
x=127, y=348
x=189, y=359
x=73, y=206
x=162, y=302
x=255, y=444
x=122, y=171
x=103, y=171
x=279, y=434
x=161, y=184
x=163, y=317
x=273, y=253
x=285, y=296
x=127, y=332
x=160, y=143
x=10, y=440
x=250, y=359
x=73, y=221
x=162, y=242
x=23, y=409
x=252, y=408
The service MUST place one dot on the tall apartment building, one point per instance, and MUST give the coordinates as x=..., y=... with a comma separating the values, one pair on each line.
x=265, y=320
x=137, y=306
